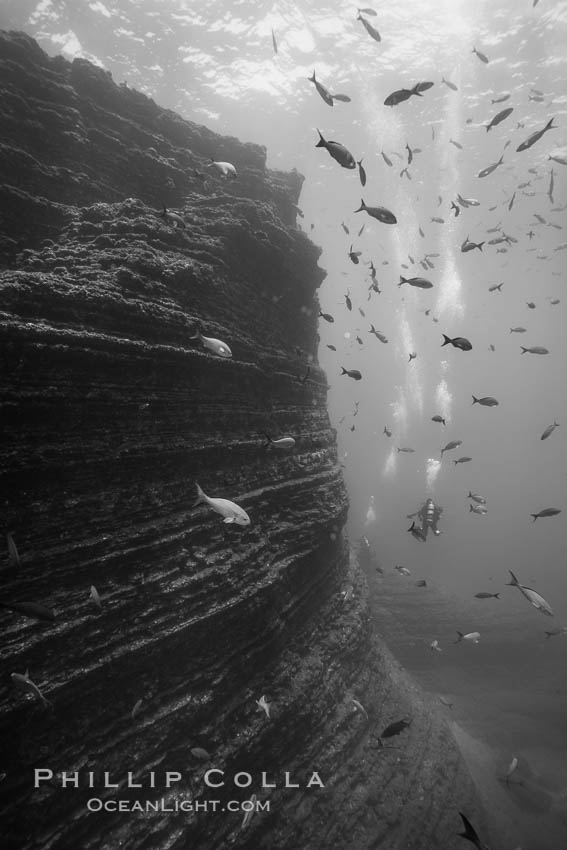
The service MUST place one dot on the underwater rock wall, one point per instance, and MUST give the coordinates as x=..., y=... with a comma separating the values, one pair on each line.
x=110, y=414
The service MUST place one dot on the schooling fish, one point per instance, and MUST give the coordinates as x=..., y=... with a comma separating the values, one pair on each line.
x=24, y=683
x=361, y=173
x=490, y=168
x=372, y=32
x=325, y=94
x=478, y=509
x=531, y=305
x=348, y=302
x=454, y=444
x=501, y=116
x=332, y=347
x=546, y=512
x=225, y=169
x=472, y=637
x=361, y=231
x=402, y=94
x=386, y=432
x=549, y=430
x=379, y=213
x=470, y=833
x=470, y=246
x=274, y=42
x=486, y=401
x=421, y=583
x=550, y=190
x=437, y=220
x=344, y=98
x=484, y=595
x=531, y=140
x=518, y=330
x=467, y=202
x=215, y=345
x=412, y=356
x=462, y=460
x=408, y=451
x=449, y=84
x=511, y=204
x=438, y=418
x=497, y=286
x=281, y=443
x=326, y=316
x=395, y=728
x=30, y=609
x=456, y=208
x=402, y=570
x=457, y=342
x=231, y=512
x=480, y=499
x=173, y=217
x=531, y=595
x=419, y=282
x=501, y=99
x=352, y=373
x=95, y=597
x=344, y=227
x=386, y=159
x=457, y=144
x=354, y=255
x=480, y=55
x=535, y=349
x=337, y=151
x=13, y=551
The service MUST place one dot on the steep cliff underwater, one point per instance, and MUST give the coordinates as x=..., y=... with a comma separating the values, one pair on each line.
x=110, y=414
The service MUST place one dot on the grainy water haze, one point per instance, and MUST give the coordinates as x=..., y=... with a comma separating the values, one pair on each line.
x=214, y=63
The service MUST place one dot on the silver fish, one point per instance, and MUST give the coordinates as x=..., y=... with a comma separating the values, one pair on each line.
x=532, y=596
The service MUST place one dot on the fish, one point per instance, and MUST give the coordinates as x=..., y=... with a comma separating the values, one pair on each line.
x=434, y=645
x=531, y=140
x=24, y=683
x=95, y=597
x=419, y=282
x=136, y=709
x=437, y=220
x=462, y=460
x=348, y=302
x=560, y=630
x=457, y=342
x=358, y=705
x=555, y=301
x=360, y=342
x=361, y=231
x=386, y=159
x=456, y=144
x=481, y=56
x=480, y=499
x=421, y=233
x=386, y=432
x=456, y=208
x=325, y=94
x=490, y=168
x=408, y=451
x=438, y=418
x=274, y=42
x=200, y=753
x=417, y=532
x=501, y=99
x=412, y=356
x=540, y=218
x=250, y=809
x=264, y=705
x=454, y=444
x=535, y=349
x=225, y=169
x=470, y=833
x=429, y=264
x=344, y=98
x=345, y=228
x=467, y=202
x=410, y=154
x=550, y=190
x=449, y=84
x=472, y=637
x=379, y=213
x=502, y=250
x=372, y=32
x=13, y=553
x=486, y=401
x=531, y=305
x=496, y=286
x=511, y=204
x=352, y=373
x=367, y=11
x=470, y=246
x=538, y=98
x=361, y=173
x=484, y=595
x=531, y=595
x=281, y=443
x=30, y=609
x=499, y=117
x=354, y=255
x=337, y=151
x=546, y=512
x=216, y=346
x=326, y=316
x=421, y=87
x=491, y=347
x=549, y=430
x=232, y=513
x=518, y=330
x=395, y=728
x=172, y=217
x=400, y=95
x=478, y=509
x=421, y=583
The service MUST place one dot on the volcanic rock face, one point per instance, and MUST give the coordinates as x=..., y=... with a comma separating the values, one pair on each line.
x=111, y=412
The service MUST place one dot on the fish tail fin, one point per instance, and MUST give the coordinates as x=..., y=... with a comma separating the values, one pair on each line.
x=496, y=596
x=479, y=246
x=362, y=204
x=548, y=634
x=461, y=636
x=523, y=349
x=200, y=496
x=402, y=280
x=196, y=335
x=416, y=91
x=268, y=440
x=344, y=371
x=359, y=161
x=321, y=143
x=447, y=340
x=474, y=399
x=534, y=517
x=312, y=77
x=455, y=462
x=550, y=125
x=514, y=581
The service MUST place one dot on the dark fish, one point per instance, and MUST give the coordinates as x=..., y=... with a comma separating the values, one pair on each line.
x=400, y=95
x=421, y=583
x=546, y=512
x=360, y=232
x=348, y=302
x=379, y=213
x=13, y=551
x=486, y=401
x=332, y=347
x=484, y=595
x=423, y=87
x=421, y=233
x=470, y=246
x=395, y=728
x=338, y=152
x=462, y=460
x=360, y=342
x=518, y=330
x=550, y=190
x=490, y=168
x=344, y=227
x=386, y=432
x=535, y=349
x=531, y=140
x=412, y=356
x=438, y=418
x=497, y=286
x=511, y=204
x=470, y=833
x=377, y=334
x=274, y=42
x=457, y=342
x=352, y=373
x=480, y=55
x=410, y=153
x=501, y=99
x=354, y=255
x=531, y=305
x=386, y=159
x=362, y=313
x=549, y=430
x=437, y=220
x=419, y=282
x=344, y=98
x=325, y=94
x=406, y=172
x=361, y=173
x=30, y=609
x=449, y=83
x=501, y=116
x=373, y=33
x=454, y=444
x=406, y=450
x=456, y=208
x=326, y=316
x=457, y=144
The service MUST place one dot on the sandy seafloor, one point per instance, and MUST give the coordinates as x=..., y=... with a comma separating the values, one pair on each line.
x=508, y=697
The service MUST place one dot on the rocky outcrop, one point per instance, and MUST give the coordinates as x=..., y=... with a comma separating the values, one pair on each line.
x=111, y=412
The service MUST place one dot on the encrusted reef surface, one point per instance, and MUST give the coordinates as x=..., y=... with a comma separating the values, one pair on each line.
x=110, y=413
